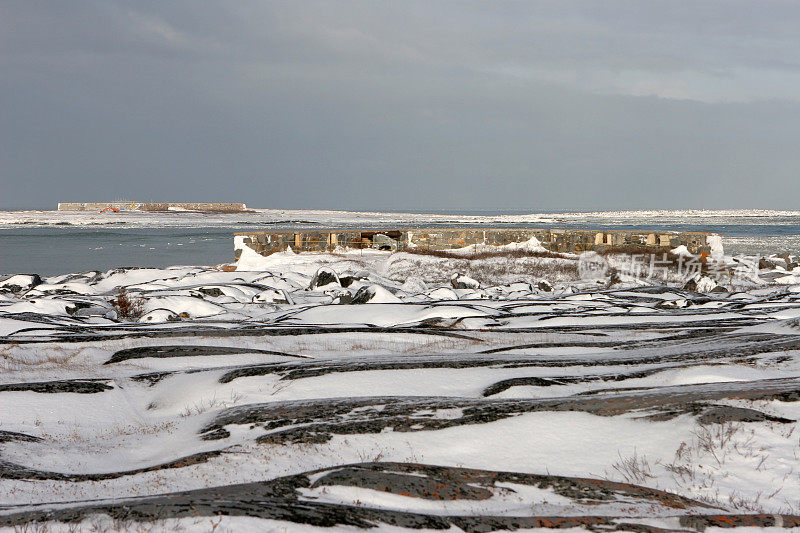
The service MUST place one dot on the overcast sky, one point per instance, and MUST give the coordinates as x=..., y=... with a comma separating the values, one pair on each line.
x=402, y=105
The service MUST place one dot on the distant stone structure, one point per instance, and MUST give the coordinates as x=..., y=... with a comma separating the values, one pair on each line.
x=204, y=207
x=556, y=240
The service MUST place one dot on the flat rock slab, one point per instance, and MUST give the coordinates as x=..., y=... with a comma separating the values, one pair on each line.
x=316, y=421
x=594, y=504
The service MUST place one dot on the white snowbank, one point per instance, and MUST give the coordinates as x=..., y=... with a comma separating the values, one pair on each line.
x=717, y=251
x=531, y=245
x=681, y=250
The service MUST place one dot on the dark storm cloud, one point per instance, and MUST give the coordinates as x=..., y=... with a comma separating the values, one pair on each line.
x=540, y=105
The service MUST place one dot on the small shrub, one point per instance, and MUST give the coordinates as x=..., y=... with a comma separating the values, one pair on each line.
x=127, y=307
x=634, y=469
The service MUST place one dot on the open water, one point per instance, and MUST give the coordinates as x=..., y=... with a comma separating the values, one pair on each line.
x=49, y=242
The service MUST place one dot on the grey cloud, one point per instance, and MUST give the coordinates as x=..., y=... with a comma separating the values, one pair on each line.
x=541, y=105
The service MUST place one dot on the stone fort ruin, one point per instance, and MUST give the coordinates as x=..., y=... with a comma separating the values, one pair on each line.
x=154, y=207
x=555, y=240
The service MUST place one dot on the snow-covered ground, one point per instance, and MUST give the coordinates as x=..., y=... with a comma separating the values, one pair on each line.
x=405, y=391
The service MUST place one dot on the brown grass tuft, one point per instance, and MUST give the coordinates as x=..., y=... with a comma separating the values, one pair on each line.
x=127, y=307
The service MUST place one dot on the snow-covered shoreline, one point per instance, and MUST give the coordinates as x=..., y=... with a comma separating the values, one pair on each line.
x=255, y=217
x=332, y=389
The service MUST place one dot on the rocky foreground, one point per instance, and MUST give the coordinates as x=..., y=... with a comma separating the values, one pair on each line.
x=398, y=391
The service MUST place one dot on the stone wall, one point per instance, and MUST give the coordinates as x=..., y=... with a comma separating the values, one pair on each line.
x=556, y=240
x=154, y=207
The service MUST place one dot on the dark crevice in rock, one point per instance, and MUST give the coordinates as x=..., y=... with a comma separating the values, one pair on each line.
x=184, y=351
x=87, y=386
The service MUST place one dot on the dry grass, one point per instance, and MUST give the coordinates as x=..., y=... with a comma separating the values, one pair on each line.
x=16, y=357
x=102, y=523
x=488, y=273
x=715, y=452
x=207, y=404
x=634, y=469
x=496, y=269
x=632, y=249
x=368, y=343
x=486, y=254
x=705, y=466
x=665, y=258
